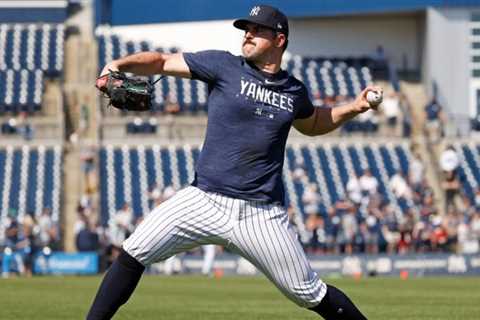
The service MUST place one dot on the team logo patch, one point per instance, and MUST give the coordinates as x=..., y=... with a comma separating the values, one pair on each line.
x=255, y=10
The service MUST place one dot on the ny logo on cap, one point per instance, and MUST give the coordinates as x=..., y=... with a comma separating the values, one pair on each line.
x=255, y=10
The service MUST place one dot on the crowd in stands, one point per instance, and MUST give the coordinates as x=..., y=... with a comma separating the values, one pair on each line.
x=365, y=222
x=26, y=237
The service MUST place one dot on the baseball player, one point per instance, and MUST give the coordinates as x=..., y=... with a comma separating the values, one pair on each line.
x=237, y=197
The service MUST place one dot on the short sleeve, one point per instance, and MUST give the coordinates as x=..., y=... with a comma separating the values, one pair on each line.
x=306, y=107
x=205, y=65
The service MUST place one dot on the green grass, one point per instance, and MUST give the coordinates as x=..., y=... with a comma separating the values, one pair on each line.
x=196, y=298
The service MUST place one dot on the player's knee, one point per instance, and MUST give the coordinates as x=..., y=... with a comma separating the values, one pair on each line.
x=142, y=256
x=306, y=294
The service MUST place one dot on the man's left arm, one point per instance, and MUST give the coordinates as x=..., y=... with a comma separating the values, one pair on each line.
x=324, y=120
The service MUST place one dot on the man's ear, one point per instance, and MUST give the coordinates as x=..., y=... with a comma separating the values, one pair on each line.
x=280, y=40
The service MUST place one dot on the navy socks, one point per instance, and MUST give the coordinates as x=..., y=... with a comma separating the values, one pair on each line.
x=117, y=287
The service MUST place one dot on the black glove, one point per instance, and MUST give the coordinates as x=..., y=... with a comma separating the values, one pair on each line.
x=127, y=93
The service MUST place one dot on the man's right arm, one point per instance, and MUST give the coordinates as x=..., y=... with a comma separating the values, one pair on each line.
x=148, y=63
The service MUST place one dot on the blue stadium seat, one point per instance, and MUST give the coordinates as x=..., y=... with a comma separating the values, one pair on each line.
x=164, y=166
x=21, y=90
x=31, y=177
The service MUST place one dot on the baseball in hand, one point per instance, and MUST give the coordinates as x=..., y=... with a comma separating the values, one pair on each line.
x=374, y=98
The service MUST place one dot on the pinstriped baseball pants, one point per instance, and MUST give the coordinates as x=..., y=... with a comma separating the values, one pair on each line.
x=257, y=231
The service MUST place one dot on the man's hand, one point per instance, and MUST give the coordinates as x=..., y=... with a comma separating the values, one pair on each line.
x=101, y=82
x=361, y=103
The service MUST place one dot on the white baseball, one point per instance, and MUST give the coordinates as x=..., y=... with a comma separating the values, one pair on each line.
x=374, y=97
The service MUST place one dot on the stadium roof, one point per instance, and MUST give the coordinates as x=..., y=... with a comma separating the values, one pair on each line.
x=126, y=12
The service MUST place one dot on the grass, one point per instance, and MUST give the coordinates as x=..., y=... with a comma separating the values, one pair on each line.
x=238, y=298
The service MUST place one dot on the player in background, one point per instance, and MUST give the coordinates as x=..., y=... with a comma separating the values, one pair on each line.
x=237, y=197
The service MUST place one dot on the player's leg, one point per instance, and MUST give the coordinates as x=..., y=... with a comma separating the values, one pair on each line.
x=265, y=238
x=7, y=259
x=18, y=258
x=208, y=258
x=184, y=221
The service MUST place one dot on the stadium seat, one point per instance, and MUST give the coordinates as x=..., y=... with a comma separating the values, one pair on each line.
x=21, y=90
x=127, y=173
x=31, y=179
x=330, y=77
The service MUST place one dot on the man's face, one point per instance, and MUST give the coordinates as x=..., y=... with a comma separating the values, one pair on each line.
x=257, y=41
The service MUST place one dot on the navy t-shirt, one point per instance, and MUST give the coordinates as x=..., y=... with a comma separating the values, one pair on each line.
x=249, y=116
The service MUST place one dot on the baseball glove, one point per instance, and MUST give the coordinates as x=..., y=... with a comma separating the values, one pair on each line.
x=128, y=93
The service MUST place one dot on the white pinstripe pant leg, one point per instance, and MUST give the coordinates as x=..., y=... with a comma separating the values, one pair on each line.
x=260, y=233
x=189, y=219
x=263, y=236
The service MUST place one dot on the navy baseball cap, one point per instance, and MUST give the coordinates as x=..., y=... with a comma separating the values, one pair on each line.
x=266, y=16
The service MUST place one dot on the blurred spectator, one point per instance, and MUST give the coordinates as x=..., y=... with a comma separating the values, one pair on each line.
x=155, y=196
x=427, y=208
x=406, y=232
x=15, y=243
x=311, y=199
x=354, y=189
x=450, y=224
x=87, y=239
x=311, y=225
x=439, y=235
x=121, y=225
x=322, y=237
x=30, y=248
x=391, y=110
x=332, y=230
x=434, y=121
x=349, y=229
x=47, y=230
x=389, y=228
x=372, y=223
x=468, y=242
x=209, y=252
x=368, y=183
x=87, y=156
x=362, y=237
x=399, y=186
x=449, y=159
x=299, y=173
x=416, y=170
x=451, y=187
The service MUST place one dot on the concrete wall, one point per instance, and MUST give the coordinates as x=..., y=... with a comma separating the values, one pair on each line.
x=360, y=36
x=447, y=59
x=354, y=36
